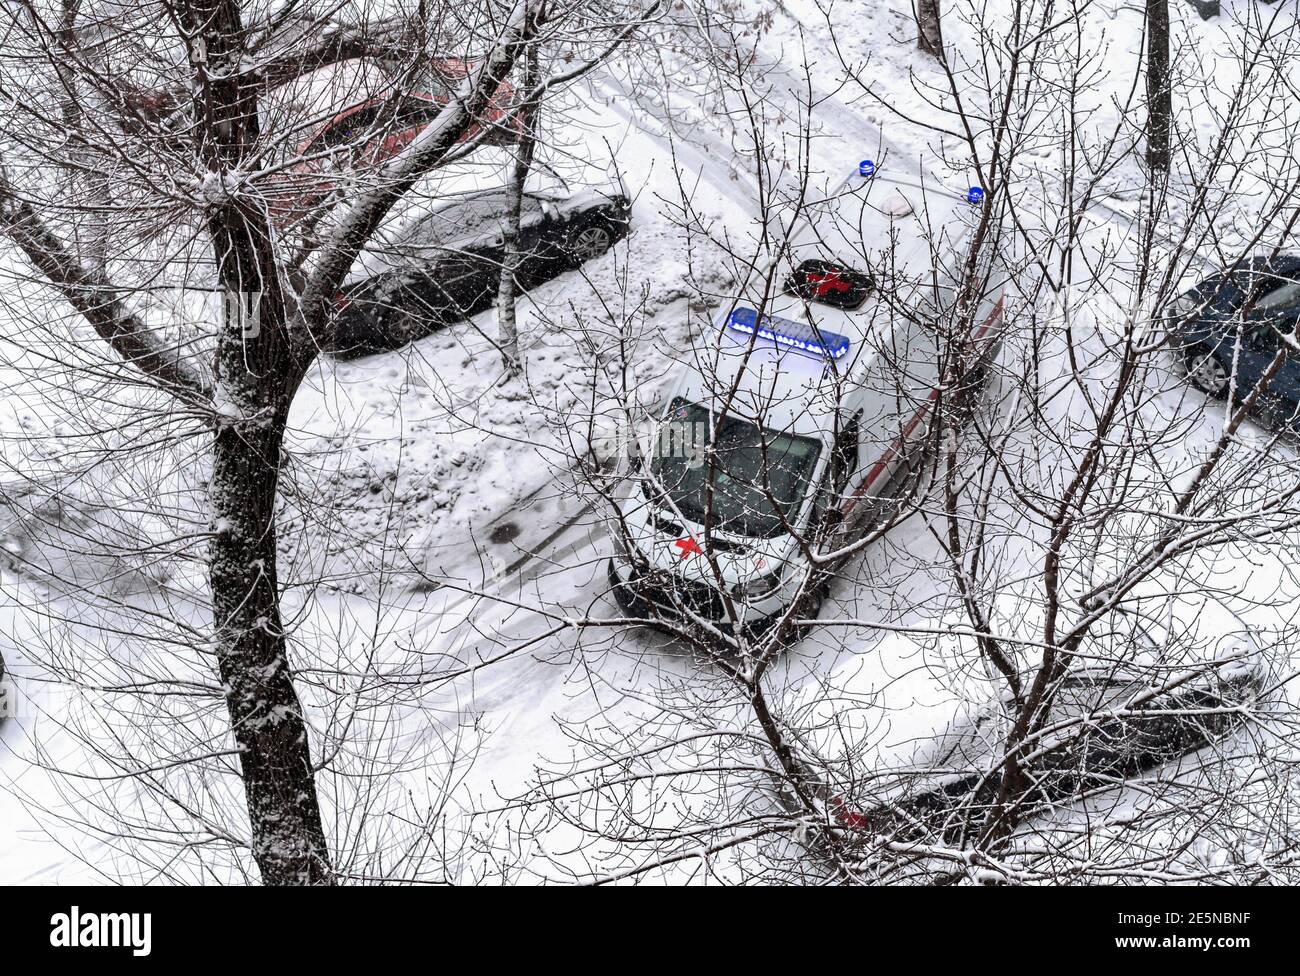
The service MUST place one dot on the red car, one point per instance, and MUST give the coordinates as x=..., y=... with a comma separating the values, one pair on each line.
x=373, y=131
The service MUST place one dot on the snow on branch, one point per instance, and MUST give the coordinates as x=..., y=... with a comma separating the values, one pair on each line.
x=424, y=153
x=96, y=299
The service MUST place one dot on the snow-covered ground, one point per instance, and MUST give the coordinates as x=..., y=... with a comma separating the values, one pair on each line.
x=404, y=464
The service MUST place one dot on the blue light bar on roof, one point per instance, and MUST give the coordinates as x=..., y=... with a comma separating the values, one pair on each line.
x=788, y=333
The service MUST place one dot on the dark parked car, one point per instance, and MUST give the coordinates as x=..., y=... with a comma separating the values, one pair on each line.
x=446, y=266
x=1237, y=320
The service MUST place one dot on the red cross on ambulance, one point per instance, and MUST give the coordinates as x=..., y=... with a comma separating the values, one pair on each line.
x=689, y=547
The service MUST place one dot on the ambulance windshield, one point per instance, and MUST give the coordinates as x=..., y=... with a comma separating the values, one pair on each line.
x=758, y=477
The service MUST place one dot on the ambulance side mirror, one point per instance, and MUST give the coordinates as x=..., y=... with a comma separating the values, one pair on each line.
x=826, y=512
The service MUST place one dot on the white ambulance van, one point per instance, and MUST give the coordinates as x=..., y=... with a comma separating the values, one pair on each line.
x=787, y=436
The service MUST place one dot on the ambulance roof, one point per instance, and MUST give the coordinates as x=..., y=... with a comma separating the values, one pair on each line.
x=791, y=365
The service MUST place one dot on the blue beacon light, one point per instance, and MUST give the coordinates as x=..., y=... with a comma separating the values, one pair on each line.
x=867, y=168
x=975, y=195
x=789, y=334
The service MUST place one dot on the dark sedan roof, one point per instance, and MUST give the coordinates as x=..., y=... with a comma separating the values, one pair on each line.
x=1278, y=264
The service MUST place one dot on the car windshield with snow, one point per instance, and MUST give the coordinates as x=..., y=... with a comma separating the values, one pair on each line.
x=752, y=479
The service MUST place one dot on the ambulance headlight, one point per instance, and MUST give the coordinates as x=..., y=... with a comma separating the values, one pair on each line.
x=758, y=588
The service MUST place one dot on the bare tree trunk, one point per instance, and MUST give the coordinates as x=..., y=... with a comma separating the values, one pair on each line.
x=267, y=718
x=1159, y=98
x=254, y=389
x=508, y=290
x=929, y=37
